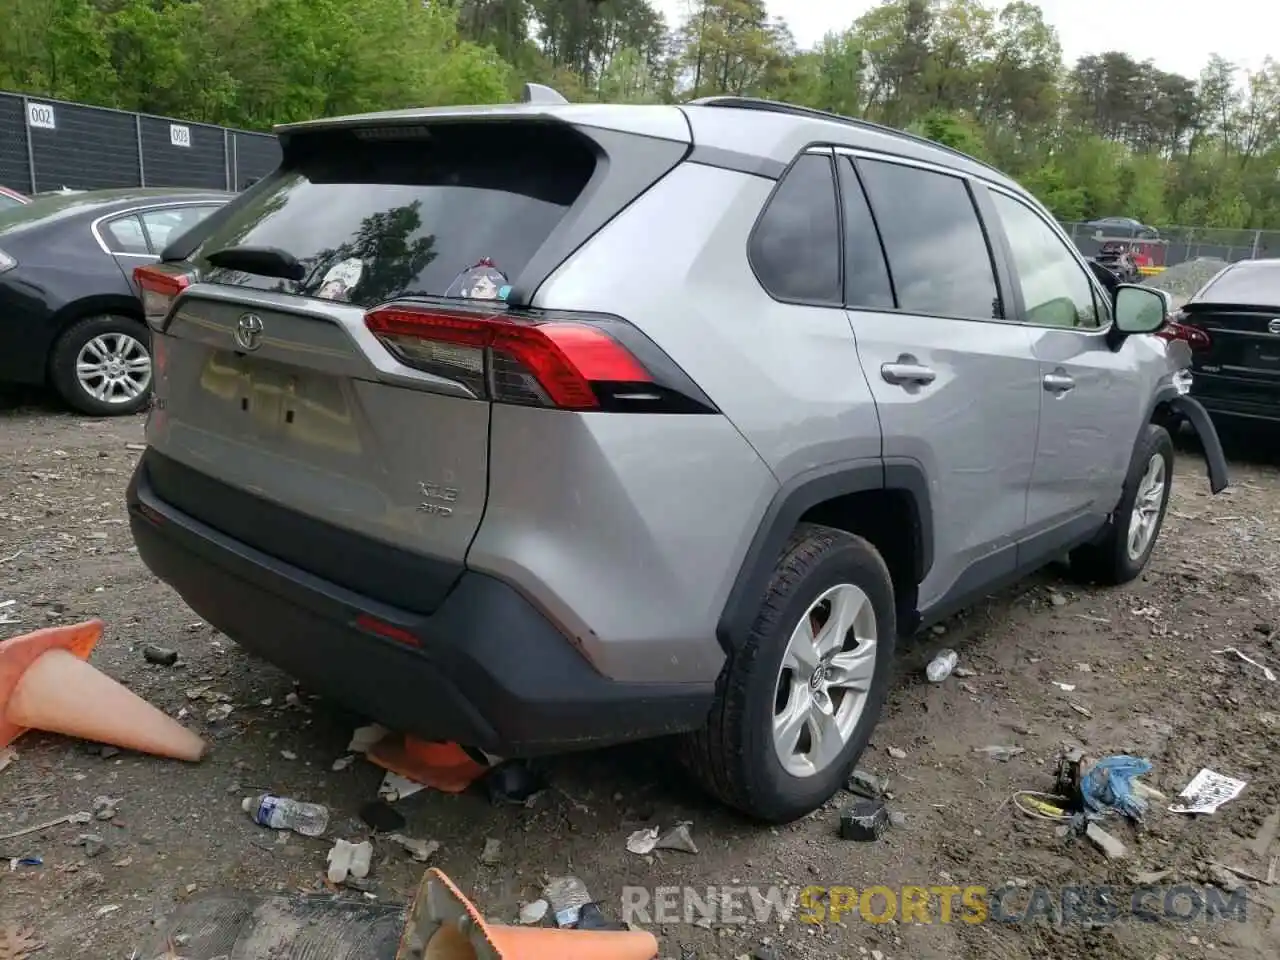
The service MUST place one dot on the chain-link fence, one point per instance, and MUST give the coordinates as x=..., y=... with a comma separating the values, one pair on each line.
x=48, y=144
x=1171, y=245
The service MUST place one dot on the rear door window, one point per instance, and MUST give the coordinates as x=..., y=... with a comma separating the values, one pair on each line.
x=795, y=247
x=168, y=223
x=938, y=255
x=125, y=235
x=373, y=219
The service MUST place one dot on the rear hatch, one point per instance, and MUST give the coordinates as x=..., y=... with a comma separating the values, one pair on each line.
x=286, y=417
x=1234, y=331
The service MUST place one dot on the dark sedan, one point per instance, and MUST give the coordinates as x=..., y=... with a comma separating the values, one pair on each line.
x=69, y=310
x=1232, y=325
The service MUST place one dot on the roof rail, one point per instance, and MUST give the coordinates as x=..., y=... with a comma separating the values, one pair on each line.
x=777, y=106
x=540, y=93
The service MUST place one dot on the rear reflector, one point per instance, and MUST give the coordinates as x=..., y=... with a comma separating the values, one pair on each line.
x=1193, y=337
x=159, y=287
x=507, y=357
x=389, y=631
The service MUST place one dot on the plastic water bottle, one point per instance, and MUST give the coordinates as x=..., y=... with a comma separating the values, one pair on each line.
x=282, y=813
x=940, y=667
x=567, y=896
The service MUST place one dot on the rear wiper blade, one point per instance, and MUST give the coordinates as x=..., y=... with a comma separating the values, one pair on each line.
x=263, y=261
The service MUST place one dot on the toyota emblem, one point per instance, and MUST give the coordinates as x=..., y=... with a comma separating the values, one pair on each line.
x=1274, y=325
x=249, y=331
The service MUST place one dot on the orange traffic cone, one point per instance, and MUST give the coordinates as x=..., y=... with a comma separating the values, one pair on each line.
x=444, y=766
x=46, y=684
x=445, y=925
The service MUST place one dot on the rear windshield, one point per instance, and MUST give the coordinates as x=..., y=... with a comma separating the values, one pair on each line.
x=457, y=210
x=1253, y=284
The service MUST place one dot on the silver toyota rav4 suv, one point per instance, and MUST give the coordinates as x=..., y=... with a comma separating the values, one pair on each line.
x=543, y=426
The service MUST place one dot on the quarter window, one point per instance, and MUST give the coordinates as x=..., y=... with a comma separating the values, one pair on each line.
x=125, y=235
x=795, y=247
x=866, y=278
x=938, y=255
x=1056, y=291
x=169, y=223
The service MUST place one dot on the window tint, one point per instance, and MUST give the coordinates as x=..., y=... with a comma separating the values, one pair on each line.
x=1056, y=291
x=171, y=222
x=795, y=247
x=375, y=218
x=1248, y=284
x=124, y=235
x=937, y=252
x=866, y=278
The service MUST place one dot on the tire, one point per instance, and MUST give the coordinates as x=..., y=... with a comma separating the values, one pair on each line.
x=107, y=339
x=1110, y=561
x=735, y=757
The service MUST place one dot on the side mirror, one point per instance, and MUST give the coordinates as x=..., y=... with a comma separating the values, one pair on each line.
x=1141, y=309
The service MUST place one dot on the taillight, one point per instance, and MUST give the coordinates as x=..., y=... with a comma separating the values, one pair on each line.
x=1193, y=337
x=159, y=287
x=508, y=357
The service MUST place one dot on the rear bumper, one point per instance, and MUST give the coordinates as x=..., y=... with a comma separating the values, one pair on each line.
x=1240, y=411
x=486, y=669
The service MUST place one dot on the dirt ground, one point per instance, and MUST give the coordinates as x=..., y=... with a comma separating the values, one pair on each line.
x=1147, y=681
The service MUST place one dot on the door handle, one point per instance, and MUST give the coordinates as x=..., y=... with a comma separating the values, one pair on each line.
x=1058, y=382
x=907, y=373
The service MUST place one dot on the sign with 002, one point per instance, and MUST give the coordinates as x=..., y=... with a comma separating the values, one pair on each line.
x=179, y=135
x=41, y=115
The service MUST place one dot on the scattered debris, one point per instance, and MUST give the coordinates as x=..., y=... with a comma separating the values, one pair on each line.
x=109, y=908
x=1206, y=792
x=864, y=820
x=897, y=818
x=492, y=852
x=395, y=787
x=92, y=843
x=18, y=943
x=1057, y=599
x=642, y=842
x=1001, y=753
x=1064, y=687
x=867, y=784
x=1148, y=878
x=1224, y=877
x=1042, y=806
x=941, y=665
x=420, y=850
x=218, y=714
x=348, y=859
x=1266, y=671
x=160, y=656
x=532, y=913
x=104, y=808
x=897, y=754
x=288, y=755
x=8, y=617
x=342, y=763
x=76, y=818
x=363, y=738
x=1109, y=845
x=1108, y=784
x=1273, y=871
x=565, y=898
x=964, y=673
x=1080, y=709
x=1239, y=872
x=8, y=755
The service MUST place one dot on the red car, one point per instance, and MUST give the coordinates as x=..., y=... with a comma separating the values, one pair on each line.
x=11, y=198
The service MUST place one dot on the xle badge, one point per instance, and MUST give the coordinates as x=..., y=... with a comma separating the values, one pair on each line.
x=436, y=499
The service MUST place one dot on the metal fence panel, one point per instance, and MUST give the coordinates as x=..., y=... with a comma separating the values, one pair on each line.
x=178, y=154
x=1181, y=244
x=15, y=168
x=253, y=156
x=83, y=147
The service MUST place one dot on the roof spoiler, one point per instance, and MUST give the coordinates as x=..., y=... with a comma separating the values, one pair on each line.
x=540, y=93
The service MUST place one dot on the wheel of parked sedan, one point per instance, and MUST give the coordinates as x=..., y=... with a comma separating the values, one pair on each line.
x=102, y=366
x=1135, y=525
x=797, y=702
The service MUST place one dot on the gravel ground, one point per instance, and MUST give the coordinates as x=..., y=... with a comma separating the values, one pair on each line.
x=1142, y=661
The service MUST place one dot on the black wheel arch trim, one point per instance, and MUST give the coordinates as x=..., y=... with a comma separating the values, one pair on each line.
x=1189, y=409
x=795, y=498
